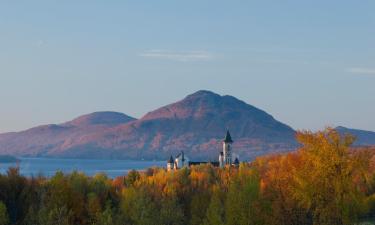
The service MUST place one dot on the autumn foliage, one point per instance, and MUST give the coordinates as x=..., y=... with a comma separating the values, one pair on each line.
x=325, y=182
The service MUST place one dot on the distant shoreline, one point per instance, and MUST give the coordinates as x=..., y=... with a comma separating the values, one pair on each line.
x=49, y=166
x=8, y=159
x=90, y=159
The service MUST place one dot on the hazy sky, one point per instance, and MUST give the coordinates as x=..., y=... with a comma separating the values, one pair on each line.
x=308, y=63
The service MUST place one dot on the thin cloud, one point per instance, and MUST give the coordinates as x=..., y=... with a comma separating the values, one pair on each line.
x=181, y=56
x=281, y=61
x=40, y=43
x=360, y=70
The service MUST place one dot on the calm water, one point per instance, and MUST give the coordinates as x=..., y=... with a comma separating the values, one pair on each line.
x=48, y=167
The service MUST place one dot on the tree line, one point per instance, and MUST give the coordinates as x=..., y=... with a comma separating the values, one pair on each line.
x=323, y=183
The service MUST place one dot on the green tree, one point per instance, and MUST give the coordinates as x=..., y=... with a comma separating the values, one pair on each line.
x=55, y=216
x=93, y=207
x=15, y=192
x=215, y=212
x=251, y=205
x=138, y=208
x=243, y=203
x=198, y=206
x=171, y=212
x=232, y=207
x=131, y=178
x=106, y=217
x=4, y=218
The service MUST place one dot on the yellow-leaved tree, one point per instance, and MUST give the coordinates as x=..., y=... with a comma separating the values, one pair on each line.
x=323, y=184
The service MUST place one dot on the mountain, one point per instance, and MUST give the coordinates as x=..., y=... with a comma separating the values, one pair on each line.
x=47, y=139
x=195, y=125
x=363, y=137
x=101, y=118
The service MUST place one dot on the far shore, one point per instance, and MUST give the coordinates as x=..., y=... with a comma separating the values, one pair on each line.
x=8, y=159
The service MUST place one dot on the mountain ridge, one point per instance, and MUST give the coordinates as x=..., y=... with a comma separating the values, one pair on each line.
x=196, y=124
x=38, y=140
x=363, y=137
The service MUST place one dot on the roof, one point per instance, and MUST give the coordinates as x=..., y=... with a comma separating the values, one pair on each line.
x=182, y=156
x=196, y=163
x=215, y=164
x=170, y=160
x=228, y=138
x=236, y=161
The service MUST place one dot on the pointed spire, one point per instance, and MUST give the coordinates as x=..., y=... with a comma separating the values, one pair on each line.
x=228, y=138
x=170, y=160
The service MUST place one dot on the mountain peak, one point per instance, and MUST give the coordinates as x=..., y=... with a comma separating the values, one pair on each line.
x=213, y=111
x=212, y=97
x=101, y=118
x=192, y=106
x=203, y=93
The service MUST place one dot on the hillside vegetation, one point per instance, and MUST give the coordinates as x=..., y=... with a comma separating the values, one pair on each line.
x=323, y=183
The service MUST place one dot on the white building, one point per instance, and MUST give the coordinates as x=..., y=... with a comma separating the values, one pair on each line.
x=170, y=164
x=181, y=161
x=225, y=157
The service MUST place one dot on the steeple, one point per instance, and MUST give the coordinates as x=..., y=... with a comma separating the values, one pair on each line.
x=227, y=152
x=228, y=138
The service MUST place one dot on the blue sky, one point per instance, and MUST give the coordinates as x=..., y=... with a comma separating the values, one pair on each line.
x=308, y=63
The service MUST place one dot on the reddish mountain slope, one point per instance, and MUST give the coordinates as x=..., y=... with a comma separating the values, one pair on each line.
x=47, y=139
x=195, y=124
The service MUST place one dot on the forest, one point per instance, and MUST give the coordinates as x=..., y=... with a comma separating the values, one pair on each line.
x=324, y=182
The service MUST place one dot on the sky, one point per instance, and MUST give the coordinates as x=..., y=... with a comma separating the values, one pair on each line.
x=310, y=64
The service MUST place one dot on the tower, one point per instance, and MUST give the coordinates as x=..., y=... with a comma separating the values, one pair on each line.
x=227, y=149
x=221, y=160
x=170, y=164
x=181, y=161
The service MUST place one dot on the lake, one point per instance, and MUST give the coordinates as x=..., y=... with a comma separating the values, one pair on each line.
x=48, y=167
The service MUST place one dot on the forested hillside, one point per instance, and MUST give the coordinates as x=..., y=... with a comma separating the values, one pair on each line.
x=323, y=183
